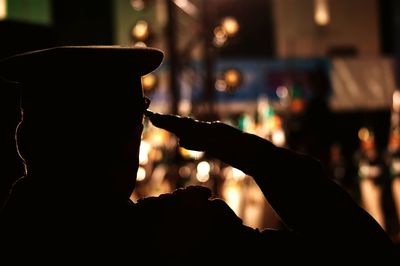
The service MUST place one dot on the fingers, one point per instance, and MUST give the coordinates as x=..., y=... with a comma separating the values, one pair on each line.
x=172, y=123
x=193, y=192
x=166, y=122
x=194, y=134
x=191, y=133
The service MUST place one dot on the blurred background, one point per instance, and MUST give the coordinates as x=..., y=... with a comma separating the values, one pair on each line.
x=317, y=76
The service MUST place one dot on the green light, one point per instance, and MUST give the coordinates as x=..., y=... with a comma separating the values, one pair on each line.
x=30, y=11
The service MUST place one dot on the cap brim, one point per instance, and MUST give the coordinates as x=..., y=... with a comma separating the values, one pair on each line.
x=139, y=60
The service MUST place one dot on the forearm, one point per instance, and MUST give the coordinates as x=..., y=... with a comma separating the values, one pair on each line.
x=280, y=174
x=294, y=184
x=296, y=187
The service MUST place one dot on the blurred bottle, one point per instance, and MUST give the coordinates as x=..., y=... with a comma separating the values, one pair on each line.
x=371, y=168
x=337, y=164
x=393, y=158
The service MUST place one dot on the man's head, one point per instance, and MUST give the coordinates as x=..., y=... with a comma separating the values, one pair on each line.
x=82, y=112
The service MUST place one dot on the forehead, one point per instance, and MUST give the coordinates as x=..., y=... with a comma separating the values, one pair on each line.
x=84, y=83
x=97, y=97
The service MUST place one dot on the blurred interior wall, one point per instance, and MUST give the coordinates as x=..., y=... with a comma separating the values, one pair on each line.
x=353, y=25
x=362, y=83
x=34, y=12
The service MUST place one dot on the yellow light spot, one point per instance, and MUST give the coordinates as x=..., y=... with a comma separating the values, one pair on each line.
x=141, y=174
x=364, y=134
x=230, y=26
x=233, y=197
x=141, y=30
x=190, y=153
x=149, y=81
x=3, y=9
x=321, y=12
x=232, y=77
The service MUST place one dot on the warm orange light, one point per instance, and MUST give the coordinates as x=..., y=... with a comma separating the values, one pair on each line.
x=321, y=12
x=232, y=77
x=149, y=82
x=203, y=171
x=185, y=106
x=220, y=36
x=371, y=199
x=394, y=140
x=297, y=105
x=158, y=137
x=278, y=137
x=3, y=9
x=141, y=174
x=230, y=80
x=364, y=134
x=141, y=30
x=138, y=5
x=233, y=196
x=190, y=153
x=140, y=44
x=144, y=151
x=237, y=174
x=396, y=100
x=230, y=26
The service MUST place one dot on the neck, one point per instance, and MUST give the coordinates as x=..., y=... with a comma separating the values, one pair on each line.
x=75, y=181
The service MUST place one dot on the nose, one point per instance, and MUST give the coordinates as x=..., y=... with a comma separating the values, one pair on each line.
x=147, y=102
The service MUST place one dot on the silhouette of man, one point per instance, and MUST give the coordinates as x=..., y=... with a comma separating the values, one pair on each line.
x=82, y=110
x=80, y=136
